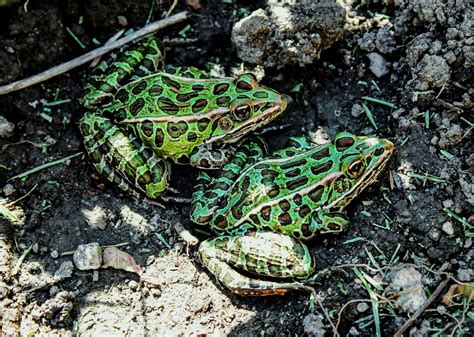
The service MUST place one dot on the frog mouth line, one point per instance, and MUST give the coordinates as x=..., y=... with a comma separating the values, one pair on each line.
x=251, y=125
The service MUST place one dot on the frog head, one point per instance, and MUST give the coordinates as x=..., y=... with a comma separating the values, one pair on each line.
x=358, y=160
x=249, y=105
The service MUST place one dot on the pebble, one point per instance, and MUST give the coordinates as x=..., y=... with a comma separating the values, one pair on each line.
x=6, y=128
x=362, y=307
x=448, y=228
x=8, y=189
x=378, y=64
x=64, y=271
x=96, y=218
x=407, y=282
x=313, y=325
x=357, y=110
x=448, y=203
x=465, y=275
x=88, y=256
x=54, y=254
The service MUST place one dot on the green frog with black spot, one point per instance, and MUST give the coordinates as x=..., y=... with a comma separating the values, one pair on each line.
x=264, y=207
x=142, y=118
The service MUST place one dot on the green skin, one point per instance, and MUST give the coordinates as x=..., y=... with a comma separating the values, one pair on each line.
x=143, y=118
x=263, y=207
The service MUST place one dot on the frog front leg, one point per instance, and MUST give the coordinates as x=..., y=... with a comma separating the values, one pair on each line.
x=211, y=193
x=262, y=253
x=319, y=222
x=122, y=158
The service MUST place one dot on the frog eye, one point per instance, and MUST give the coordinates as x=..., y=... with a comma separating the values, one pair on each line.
x=242, y=112
x=356, y=168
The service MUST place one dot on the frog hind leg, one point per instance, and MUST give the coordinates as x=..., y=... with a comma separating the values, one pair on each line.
x=262, y=253
x=320, y=222
x=143, y=59
x=210, y=193
x=122, y=158
x=212, y=156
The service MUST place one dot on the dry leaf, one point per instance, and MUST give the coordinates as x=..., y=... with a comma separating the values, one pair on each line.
x=466, y=289
x=194, y=4
x=115, y=258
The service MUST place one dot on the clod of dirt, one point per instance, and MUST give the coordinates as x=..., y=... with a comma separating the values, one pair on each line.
x=447, y=40
x=450, y=134
x=64, y=271
x=313, y=325
x=378, y=64
x=283, y=35
x=432, y=72
x=408, y=282
x=6, y=128
x=88, y=256
x=57, y=310
x=96, y=217
x=381, y=39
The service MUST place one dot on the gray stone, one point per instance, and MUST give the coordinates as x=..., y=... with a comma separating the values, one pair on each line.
x=378, y=64
x=362, y=307
x=448, y=228
x=313, y=325
x=282, y=35
x=88, y=256
x=6, y=128
x=407, y=282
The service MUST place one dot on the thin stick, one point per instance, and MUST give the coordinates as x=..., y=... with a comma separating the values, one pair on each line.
x=62, y=68
x=425, y=305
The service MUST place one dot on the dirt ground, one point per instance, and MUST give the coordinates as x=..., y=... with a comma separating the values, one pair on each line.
x=411, y=232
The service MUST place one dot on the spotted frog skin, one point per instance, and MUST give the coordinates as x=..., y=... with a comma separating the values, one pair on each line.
x=264, y=207
x=142, y=118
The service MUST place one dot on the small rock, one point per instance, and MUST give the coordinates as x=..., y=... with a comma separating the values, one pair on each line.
x=448, y=203
x=362, y=307
x=133, y=285
x=88, y=256
x=433, y=70
x=465, y=275
x=357, y=110
x=353, y=331
x=95, y=276
x=53, y=291
x=96, y=218
x=8, y=189
x=448, y=228
x=378, y=64
x=6, y=128
x=313, y=325
x=64, y=271
x=54, y=254
x=407, y=282
x=35, y=248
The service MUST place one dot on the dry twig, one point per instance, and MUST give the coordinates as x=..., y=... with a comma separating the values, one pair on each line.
x=62, y=68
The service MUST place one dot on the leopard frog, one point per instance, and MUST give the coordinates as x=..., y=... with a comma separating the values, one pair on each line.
x=142, y=118
x=264, y=207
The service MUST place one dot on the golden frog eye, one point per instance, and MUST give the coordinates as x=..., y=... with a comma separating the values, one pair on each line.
x=356, y=168
x=242, y=112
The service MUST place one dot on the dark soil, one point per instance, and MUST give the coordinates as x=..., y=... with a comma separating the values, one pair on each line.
x=397, y=221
